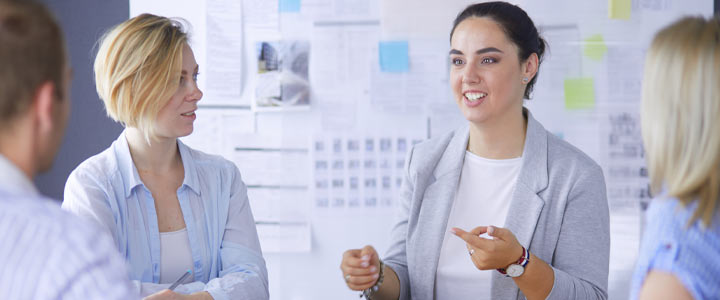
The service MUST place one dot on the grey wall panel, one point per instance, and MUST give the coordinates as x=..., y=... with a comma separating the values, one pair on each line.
x=89, y=130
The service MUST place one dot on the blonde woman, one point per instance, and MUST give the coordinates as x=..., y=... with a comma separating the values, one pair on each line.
x=169, y=208
x=680, y=251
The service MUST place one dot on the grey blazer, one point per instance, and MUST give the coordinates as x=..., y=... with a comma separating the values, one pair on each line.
x=559, y=211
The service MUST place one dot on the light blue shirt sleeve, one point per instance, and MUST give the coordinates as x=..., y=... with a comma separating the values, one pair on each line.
x=243, y=274
x=688, y=251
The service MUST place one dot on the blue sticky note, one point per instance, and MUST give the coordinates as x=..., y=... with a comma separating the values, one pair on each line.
x=394, y=56
x=289, y=6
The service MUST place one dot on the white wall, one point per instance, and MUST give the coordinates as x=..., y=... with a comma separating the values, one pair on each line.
x=352, y=99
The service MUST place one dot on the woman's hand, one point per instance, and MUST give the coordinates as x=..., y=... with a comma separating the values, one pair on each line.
x=489, y=254
x=360, y=268
x=170, y=295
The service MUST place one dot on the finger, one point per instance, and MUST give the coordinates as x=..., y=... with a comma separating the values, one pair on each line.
x=501, y=233
x=356, y=262
x=366, y=255
x=351, y=253
x=361, y=271
x=474, y=259
x=362, y=280
x=351, y=258
x=473, y=240
x=480, y=263
x=367, y=252
x=480, y=257
x=472, y=252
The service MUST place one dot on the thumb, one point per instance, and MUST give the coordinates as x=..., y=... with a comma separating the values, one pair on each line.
x=368, y=253
x=498, y=232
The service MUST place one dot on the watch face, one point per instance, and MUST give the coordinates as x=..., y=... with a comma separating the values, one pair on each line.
x=515, y=270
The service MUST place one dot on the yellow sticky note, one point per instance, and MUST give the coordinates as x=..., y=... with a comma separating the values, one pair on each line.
x=594, y=47
x=579, y=93
x=619, y=9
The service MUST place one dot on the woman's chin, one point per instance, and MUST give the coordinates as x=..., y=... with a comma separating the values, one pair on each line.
x=474, y=116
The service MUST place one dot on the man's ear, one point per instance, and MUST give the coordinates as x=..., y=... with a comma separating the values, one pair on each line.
x=44, y=106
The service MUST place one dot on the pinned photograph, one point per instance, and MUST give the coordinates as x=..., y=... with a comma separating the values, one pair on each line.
x=282, y=79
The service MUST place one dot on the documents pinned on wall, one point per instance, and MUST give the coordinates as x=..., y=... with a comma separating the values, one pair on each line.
x=324, y=144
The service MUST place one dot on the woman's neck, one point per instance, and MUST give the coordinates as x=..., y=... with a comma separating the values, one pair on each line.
x=501, y=138
x=161, y=155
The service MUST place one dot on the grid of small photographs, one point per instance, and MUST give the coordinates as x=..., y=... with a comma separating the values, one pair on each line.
x=355, y=172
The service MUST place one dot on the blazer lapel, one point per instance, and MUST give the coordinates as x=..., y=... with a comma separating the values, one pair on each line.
x=436, y=205
x=526, y=205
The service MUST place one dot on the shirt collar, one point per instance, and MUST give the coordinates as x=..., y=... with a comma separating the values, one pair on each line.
x=13, y=180
x=130, y=175
x=190, y=180
x=127, y=169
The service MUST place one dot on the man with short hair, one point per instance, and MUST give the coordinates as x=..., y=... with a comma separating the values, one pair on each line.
x=45, y=253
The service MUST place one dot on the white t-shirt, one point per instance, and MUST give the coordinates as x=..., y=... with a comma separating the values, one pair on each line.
x=175, y=255
x=483, y=198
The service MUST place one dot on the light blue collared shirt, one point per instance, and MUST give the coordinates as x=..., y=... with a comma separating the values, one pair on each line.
x=227, y=260
x=47, y=253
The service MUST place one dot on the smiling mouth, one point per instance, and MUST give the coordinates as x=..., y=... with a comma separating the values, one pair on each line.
x=472, y=96
x=187, y=114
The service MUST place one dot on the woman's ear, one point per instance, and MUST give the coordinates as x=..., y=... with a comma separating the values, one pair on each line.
x=530, y=66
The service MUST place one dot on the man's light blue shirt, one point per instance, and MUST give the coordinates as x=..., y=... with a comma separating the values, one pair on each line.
x=227, y=260
x=47, y=253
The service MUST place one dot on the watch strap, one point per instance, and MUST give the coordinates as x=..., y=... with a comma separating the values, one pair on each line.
x=522, y=261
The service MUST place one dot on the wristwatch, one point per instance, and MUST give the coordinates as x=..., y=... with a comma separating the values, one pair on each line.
x=518, y=268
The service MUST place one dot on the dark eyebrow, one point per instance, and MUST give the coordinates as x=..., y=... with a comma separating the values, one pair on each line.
x=481, y=51
x=488, y=49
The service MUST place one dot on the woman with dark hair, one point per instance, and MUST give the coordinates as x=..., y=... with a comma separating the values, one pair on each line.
x=534, y=205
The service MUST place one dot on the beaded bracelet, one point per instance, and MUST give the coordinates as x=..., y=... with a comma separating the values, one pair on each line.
x=367, y=292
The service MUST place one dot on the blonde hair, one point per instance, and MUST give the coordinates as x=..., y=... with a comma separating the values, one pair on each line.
x=137, y=69
x=681, y=113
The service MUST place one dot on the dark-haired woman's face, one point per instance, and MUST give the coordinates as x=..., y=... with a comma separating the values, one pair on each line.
x=485, y=73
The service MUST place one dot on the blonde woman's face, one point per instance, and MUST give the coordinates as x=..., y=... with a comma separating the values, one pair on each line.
x=485, y=73
x=176, y=118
